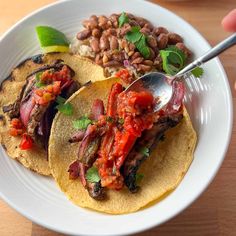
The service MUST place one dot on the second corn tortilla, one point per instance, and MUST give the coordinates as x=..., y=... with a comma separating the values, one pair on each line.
x=36, y=158
x=163, y=170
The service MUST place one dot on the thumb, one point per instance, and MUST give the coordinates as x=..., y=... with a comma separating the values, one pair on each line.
x=229, y=21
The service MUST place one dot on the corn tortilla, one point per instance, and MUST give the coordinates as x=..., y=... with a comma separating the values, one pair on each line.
x=163, y=170
x=36, y=158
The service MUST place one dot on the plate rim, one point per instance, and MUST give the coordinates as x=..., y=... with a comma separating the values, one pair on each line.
x=229, y=127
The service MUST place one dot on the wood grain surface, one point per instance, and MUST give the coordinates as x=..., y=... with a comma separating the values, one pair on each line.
x=214, y=213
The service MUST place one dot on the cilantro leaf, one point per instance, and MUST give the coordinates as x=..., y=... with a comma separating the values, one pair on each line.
x=123, y=19
x=144, y=151
x=82, y=123
x=173, y=60
x=138, y=177
x=134, y=35
x=121, y=121
x=65, y=108
x=109, y=119
x=92, y=175
x=198, y=72
x=38, y=83
x=142, y=47
x=139, y=39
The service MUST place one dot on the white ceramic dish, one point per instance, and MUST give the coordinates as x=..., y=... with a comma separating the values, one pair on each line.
x=208, y=100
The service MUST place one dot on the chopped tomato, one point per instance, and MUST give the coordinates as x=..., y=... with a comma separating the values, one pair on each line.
x=53, y=82
x=16, y=127
x=125, y=76
x=26, y=142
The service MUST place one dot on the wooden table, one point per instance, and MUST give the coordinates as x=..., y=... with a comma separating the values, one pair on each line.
x=214, y=213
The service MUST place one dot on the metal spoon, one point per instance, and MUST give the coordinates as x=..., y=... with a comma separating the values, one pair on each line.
x=160, y=85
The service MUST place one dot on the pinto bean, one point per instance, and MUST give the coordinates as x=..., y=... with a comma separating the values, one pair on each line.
x=93, y=17
x=148, y=62
x=145, y=31
x=149, y=26
x=90, y=24
x=112, y=63
x=102, y=22
x=125, y=29
x=95, y=45
x=152, y=42
x=136, y=55
x=118, y=57
x=162, y=41
x=104, y=43
x=133, y=23
x=145, y=68
x=141, y=21
x=182, y=47
x=98, y=59
x=174, y=38
x=113, y=43
x=84, y=34
x=132, y=47
x=137, y=60
x=96, y=33
x=160, y=30
x=152, y=54
x=105, y=58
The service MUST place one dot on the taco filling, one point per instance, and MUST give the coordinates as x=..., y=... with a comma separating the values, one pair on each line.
x=32, y=113
x=113, y=144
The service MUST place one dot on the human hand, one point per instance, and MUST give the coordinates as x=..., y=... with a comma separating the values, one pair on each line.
x=229, y=24
x=229, y=21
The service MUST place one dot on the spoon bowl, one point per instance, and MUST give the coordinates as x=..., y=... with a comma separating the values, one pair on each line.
x=156, y=83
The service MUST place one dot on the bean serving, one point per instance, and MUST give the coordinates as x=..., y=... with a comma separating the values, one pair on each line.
x=105, y=42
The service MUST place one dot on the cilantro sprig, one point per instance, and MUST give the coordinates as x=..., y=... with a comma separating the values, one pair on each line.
x=92, y=175
x=82, y=123
x=174, y=60
x=139, y=40
x=123, y=19
x=65, y=108
x=38, y=82
x=198, y=72
x=144, y=151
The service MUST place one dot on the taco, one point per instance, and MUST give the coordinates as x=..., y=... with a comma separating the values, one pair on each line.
x=28, y=101
x=98, y=155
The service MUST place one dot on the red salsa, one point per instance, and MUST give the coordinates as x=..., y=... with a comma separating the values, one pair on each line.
x=131, y=113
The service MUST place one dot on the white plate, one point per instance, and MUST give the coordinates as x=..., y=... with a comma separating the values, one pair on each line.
x=208, y=99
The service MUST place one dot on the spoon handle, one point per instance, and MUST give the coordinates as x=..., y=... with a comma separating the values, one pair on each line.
x=215, y=51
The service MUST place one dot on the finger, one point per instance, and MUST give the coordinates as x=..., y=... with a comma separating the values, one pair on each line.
x=229, y=21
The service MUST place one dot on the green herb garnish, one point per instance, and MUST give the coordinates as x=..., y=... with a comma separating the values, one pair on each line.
x=65, y=108
x=39, y=83
x=139, y=39
x=144, y=151
x=92, y=175
x=121, y=121
x=82, y=123
x=198, y=72
x=138, y=177
x=134, y=35
x=142, y=47
x=123, y=19
x=173, y=60
x=109, y=119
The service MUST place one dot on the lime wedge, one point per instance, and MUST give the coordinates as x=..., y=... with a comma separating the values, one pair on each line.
x=52, y=40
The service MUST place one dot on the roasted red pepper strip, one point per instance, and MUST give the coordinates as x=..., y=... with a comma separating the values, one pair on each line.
x=112, y=100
